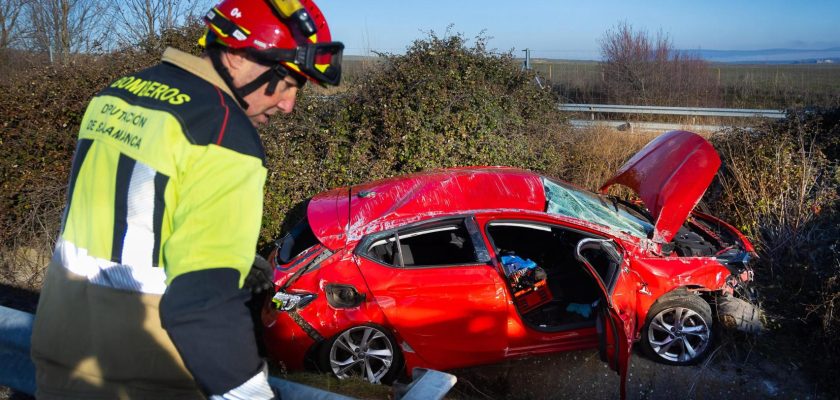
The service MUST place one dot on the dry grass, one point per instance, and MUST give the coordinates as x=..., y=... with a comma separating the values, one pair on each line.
x=354, y=387
x=740, y=85
x=596, y=153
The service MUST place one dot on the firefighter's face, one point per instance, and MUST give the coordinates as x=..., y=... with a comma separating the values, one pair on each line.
x=261, y=106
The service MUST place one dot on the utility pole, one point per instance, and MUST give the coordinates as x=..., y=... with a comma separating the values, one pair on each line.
x=527, y=64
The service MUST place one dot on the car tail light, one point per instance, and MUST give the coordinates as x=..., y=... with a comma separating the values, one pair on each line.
x=290, y=301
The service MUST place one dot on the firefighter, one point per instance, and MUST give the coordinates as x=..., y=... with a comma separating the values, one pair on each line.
x=145, y=294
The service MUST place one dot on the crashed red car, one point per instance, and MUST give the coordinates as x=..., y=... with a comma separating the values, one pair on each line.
x=466, y=266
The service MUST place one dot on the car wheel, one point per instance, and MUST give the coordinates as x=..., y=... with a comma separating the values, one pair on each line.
x=366, y=351
x=678, y=330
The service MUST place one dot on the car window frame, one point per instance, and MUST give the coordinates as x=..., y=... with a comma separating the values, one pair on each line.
x=538, y=225
x=479, y=246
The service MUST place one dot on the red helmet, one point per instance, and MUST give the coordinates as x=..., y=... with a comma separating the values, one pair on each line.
x=293, y=33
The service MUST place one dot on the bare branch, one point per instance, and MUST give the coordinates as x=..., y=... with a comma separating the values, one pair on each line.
x=139, y=20
x=10, y=13
x=639, y=68
x=65, y=27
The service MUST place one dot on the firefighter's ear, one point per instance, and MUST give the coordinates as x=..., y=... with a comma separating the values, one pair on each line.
x=235, y=61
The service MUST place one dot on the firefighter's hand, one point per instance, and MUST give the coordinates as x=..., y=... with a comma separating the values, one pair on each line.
x=260, y=278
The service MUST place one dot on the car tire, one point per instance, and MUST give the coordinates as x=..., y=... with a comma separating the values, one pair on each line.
x=678, y=329
x=368, y=352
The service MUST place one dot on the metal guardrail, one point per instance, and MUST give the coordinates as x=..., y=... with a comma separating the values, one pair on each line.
x=426, y=384
x=18, y=372
x=684, y=111
x=645, y=126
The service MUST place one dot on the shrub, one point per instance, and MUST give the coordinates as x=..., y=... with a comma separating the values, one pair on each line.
x=42, y=107
x=443, y=103
x=780, y=184
x=643, y=70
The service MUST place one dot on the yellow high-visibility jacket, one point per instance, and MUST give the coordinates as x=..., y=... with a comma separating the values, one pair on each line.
x=167, y=179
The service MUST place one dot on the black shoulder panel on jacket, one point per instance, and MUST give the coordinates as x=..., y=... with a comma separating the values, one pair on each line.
x=206, y=113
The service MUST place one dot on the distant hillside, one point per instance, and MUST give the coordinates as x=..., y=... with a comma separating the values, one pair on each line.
x=770, y=56
x=766, y=56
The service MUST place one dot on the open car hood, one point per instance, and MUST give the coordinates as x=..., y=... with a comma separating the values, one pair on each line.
x=670, y=174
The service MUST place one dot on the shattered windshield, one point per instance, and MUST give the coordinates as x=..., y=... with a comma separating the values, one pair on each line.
x=576, y=203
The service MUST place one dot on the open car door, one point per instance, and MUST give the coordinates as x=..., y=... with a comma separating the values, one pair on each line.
x=615, y=321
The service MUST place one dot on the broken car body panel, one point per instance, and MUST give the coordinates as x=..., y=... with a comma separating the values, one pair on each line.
x=467, y=266
x=327, y=214
x=670, y=175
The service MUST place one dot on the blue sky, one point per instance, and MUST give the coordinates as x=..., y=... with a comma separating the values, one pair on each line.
x=571, y=29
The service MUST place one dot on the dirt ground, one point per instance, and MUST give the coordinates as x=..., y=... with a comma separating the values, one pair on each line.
x=581, y=374
x=739, y=367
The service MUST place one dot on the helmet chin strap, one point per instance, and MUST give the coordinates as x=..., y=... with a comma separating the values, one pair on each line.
x=215, y=54
x=273, y=76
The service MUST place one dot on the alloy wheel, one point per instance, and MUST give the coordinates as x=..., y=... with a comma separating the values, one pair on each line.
x=363, y=351
x=678, y=334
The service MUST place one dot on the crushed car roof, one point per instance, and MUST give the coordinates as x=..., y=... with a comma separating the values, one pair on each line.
x=376, y=205
x=670, y=174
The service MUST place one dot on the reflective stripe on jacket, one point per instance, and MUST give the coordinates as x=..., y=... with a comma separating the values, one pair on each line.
x=167, y=178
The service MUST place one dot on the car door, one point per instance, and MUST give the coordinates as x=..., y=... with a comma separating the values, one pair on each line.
x=616, y=319
x=437, y=288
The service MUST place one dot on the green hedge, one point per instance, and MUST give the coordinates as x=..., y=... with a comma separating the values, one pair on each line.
x=443, y=103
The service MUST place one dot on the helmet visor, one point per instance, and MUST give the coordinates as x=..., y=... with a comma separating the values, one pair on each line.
x=320, y=62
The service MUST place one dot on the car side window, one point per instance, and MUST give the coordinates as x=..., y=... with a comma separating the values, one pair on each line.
x=383, y=250
x=437, y=244
x=445, y=244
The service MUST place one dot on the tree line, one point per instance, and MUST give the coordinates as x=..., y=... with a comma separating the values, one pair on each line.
x=58, y=29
